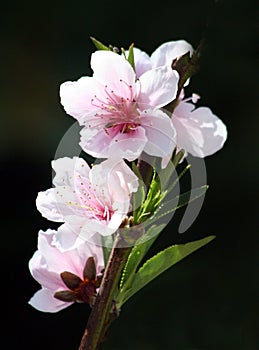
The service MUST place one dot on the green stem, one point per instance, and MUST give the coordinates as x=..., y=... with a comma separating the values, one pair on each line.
x=102, y=314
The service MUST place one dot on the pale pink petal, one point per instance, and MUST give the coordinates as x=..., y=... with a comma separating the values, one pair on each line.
x=39, y=270
x=114, y=174
x=44, y=300
x=76, y=96
x=101, y=227
x=67, y=237
x=52, y=203
x=94, y=250
x=86, y=230
x=113, y=71
x=95, y=142
x=101, y=145
x=66, y=168
x=199, y=132
x=167, y=52
x=127, y=179
x=77, y=249
x=47, y=205
x=160, y=133
x=57, y=261
x=158, y=87
x=118, y=217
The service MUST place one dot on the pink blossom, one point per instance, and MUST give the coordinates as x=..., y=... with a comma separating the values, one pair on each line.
x=120, y=113
x=198, y=131
x=90, y=201
x=65, y=277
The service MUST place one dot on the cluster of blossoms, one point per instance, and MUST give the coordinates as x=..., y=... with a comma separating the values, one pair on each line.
x=122, y=111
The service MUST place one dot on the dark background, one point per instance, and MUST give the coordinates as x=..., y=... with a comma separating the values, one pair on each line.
x=206, y=302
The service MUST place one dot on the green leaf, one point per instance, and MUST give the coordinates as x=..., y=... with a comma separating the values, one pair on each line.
x=176, y=158
x=151, y=202
x=172, y=186
x=173, y=204
x=161, y=262
x=138, y=197
x=99, y=45
x=166, y=174
x=137, y=254
x=131, y=57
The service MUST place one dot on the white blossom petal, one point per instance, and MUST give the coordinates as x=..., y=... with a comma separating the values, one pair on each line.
x=39, y=270
x=99, y=144
x=199, y=131
x=167, y=52
x=158, y=87
x=53, y=203
x=113, y=71
x=66, y=168
x=114, y=174
x=76, y=96
x=44, y=300
x=160, y=132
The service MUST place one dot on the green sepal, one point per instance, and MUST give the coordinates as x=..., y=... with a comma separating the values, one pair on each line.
x=151, y=202
x=172, y=186
x=160, y=263
x=138, y=197
x=99, y=45
x=175, y=203
x=131, y=57
x=177, y=157
x=166, y=174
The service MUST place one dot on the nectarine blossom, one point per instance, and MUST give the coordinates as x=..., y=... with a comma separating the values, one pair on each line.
x=65, y=277
x=119, y=113
x=89, y=201
x=198, y=131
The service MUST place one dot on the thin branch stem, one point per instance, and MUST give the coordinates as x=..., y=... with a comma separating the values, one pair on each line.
x=102, y=313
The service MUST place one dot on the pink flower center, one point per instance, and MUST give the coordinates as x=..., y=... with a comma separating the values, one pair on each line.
x=118, y=111
x=91, y=202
